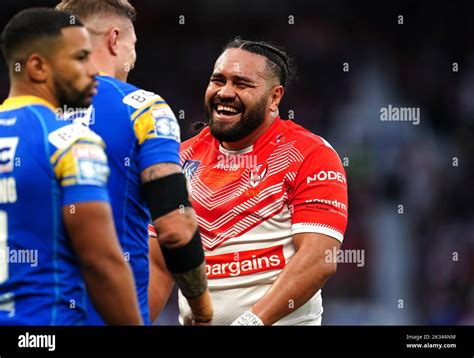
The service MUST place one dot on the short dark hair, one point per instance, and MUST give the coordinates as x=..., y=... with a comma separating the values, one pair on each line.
x=87, y=8
x=28, y=27
x=278, y=60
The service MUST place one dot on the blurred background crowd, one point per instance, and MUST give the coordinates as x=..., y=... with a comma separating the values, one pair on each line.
x=410, y=200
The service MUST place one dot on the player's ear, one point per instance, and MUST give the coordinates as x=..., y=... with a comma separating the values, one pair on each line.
x=112, y=40
x=37, y=67
x=276, y=95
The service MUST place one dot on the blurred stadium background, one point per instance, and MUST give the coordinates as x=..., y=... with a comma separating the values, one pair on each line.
x=419, y=257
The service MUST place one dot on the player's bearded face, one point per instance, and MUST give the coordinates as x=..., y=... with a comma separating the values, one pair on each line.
x=238, y=97
x=248, y=118
x=71, y=95
x=73, y=74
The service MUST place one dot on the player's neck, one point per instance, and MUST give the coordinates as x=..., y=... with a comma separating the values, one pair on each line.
x=252, y=137
x=30, y=89
x=104, y=63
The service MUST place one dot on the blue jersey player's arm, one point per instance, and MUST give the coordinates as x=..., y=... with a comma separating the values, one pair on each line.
x=80, y=166
x=164, y=185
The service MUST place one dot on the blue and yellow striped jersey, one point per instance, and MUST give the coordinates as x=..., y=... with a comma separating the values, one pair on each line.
x=139, y=130
x=45, y=163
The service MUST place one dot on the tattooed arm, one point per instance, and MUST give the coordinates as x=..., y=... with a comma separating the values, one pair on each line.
x=179, y=242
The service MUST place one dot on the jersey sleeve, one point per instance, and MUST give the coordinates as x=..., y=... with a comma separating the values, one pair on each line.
x=152, y=231
x=158, y=134
x=318, y=201
x=80, y=164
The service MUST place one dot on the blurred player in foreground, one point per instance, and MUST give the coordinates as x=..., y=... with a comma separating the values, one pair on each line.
x=270, y=196
x=142, y=139
x=54, y=206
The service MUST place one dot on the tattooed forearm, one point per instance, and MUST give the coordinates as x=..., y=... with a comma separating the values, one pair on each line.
x=192, y=283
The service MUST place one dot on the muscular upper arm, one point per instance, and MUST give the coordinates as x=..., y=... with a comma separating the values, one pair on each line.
x=178, y=226
x=161, y=282
x=158, y=171
x=91, y=229
x=320, y=248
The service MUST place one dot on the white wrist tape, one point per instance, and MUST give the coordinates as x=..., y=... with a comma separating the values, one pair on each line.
x=247, y=319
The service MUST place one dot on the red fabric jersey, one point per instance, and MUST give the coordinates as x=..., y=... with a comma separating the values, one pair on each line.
x=251, y=202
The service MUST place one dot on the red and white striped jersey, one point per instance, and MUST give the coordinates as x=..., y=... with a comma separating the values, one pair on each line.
x=251, y=202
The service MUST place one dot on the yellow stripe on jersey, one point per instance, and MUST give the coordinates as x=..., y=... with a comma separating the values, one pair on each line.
x=83, y=162
x=66, y=167
x=63, y=138
x=147, y=106
x=157, y=121
x=150, y=135
x=143, y=125
x=68, y=182
x=23, y=101
x=57, y=154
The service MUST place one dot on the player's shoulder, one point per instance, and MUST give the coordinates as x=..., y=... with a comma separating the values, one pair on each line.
x=111, y=84
x=129, y=95
x=30, y=120
x=38, y=119
x=27, y=106
x=304, y=140
x=203, y=139
x=65, y=135
x=32, y=114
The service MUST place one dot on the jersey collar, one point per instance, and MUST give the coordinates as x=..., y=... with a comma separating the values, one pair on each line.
x=235, y=152
x=104, y=74
x=23, y=101
x=267, y=136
